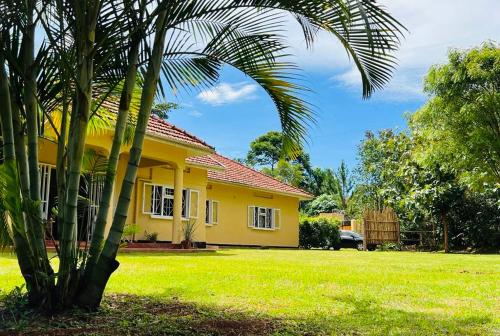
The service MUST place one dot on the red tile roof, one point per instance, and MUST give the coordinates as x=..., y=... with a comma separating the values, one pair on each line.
x=160, y=127
x=237, y=173
x=205, y=161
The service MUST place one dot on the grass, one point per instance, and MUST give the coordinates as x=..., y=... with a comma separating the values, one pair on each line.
x=247, y=291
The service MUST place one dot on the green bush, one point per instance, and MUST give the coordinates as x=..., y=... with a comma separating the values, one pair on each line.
x=319, y=232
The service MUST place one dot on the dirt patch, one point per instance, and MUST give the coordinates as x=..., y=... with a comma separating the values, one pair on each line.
x=134, y=315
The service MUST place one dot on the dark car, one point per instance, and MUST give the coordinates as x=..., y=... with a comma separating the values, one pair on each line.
x=350, y=239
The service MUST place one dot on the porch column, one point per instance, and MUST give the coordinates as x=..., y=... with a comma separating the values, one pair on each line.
x=177, y=220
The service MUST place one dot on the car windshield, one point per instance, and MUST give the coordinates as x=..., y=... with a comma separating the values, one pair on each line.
x=346, y=233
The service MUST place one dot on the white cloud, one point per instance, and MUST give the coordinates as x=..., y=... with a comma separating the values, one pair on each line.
x=434, y=27
x=195, y=114
x=228, y=93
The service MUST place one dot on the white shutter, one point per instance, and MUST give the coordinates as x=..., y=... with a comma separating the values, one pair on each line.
x=147, y=198
x=193, y=203
x=277, y=218
x=44, y=171
x=251, y=216
x=214, y=214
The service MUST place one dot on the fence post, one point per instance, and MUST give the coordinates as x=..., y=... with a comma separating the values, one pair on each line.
x=365, y=248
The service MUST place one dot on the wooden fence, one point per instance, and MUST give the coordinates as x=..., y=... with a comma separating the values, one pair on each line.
x=380, y=227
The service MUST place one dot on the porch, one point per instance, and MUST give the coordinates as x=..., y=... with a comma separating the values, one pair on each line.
x=152, y=170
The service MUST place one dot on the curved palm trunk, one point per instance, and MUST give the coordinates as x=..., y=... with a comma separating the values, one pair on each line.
x=21, y=244
x=107, y=264
x=114, y=155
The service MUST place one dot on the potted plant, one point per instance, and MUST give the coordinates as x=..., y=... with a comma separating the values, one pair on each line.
x=188, y=234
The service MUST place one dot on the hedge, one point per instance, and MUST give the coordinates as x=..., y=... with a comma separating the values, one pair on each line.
x=319, y=232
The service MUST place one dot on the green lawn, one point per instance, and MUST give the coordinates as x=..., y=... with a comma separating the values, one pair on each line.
x=321, y=292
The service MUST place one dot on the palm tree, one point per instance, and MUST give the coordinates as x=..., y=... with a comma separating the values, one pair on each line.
x=94, y=48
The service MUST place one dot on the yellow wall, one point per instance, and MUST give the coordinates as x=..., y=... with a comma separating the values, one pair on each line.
x=193, y=179
x=232, y=227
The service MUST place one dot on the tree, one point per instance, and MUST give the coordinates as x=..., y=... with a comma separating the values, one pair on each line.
x=266, y=150
x=323, y=203
x=161, y=110
x=287, y=172
x=462, y=118
x=344, y=185
x=92, y=55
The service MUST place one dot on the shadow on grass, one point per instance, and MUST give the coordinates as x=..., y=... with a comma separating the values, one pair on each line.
x=139, y=315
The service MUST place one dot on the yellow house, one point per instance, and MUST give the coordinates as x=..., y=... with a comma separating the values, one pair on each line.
x=182, y=180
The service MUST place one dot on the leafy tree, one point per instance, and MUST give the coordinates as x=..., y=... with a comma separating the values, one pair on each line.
x=344, y=185
x=266, y=150
x=461, y=121
x=290, y=173
x=92, y=55
x=322, y=203
x=161, y=110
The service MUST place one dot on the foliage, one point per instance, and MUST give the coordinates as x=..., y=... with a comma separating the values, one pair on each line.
x=322, y=203
x=344, y=185
x=151, y=236
x=461, y=121
x=189, y=229
x=266, y=150
x=287, y=172
x=389, y=247
x=426, y=195
x=319, y=232
x=161, y=110
x=129, y=232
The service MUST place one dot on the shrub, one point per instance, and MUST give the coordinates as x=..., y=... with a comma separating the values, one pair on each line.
x=151, y=236
x=130, y=231
x=319, y=232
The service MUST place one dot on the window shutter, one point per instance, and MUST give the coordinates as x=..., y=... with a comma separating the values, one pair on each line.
x=147, y=198
x=277, y=218
x=251, y=216
x=193, y=203
x=215, y=212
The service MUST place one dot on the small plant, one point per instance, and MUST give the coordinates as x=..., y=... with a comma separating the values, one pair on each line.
x=188, y=233
x=390, y=247
x=130, y=231
x=151, y=236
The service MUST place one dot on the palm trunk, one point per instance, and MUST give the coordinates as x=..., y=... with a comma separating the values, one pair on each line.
x=21, y=244
x=36, y=232
x=68, y=275
x=61, y=164
x=114, y=155
x=20, y=147
x=107, y=263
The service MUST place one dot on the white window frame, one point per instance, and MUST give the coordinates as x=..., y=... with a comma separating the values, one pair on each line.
x=209, y=210
x=45, y=171
x=257, y=212
x=164, y=196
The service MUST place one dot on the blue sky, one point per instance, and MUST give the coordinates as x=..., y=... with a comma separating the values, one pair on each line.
x=236, y=111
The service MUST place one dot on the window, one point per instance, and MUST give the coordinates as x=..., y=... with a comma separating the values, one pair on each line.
x=263, y=218
x=158, y=200
x=211, y=212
